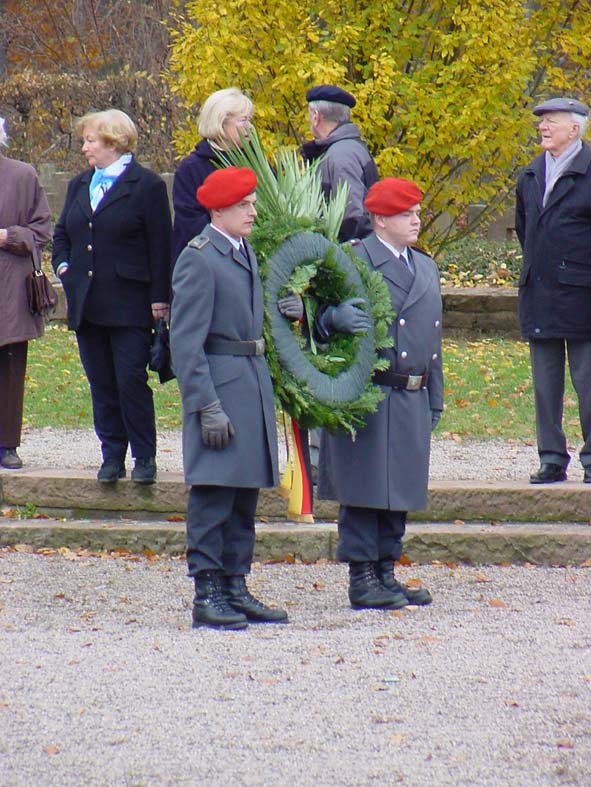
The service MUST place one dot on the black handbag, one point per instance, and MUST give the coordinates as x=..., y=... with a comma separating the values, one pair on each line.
x=160, y=352
x=41, y=296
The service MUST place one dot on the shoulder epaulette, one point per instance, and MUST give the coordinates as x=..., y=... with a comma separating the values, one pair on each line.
x=199, y=242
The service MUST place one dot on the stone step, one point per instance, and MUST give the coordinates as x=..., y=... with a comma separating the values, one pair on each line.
x=470, y=543
x=76, y=493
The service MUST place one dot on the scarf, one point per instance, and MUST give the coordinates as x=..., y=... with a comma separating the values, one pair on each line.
x=103, y=179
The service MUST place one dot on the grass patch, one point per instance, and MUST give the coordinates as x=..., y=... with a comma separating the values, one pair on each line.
x=57, y=392
x=488, y=390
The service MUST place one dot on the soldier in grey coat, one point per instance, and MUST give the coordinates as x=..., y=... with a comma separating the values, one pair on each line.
x=229, y=433
x=383, y=473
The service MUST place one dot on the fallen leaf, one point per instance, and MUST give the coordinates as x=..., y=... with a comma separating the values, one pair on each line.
x=319, y=585
x=565, y=622
x=512, y=703
x=587, y=563
x=565, y=744
x=479, y=576
x=497, y=602
x=175, y=518
x=397, y=738
x=51, y=749
x=459, y=522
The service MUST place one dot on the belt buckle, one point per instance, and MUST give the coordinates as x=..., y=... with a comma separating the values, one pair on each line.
x=414, y=382
x=259, y=346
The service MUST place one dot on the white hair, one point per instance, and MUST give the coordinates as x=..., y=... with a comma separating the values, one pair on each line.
x=3, y=134
x=582, y=121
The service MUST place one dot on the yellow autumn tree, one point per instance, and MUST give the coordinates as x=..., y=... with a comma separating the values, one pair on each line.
x=444, y=89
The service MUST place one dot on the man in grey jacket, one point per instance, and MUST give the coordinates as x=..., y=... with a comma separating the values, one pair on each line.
x=343, y=155
x=344, y=158
x=229, y=433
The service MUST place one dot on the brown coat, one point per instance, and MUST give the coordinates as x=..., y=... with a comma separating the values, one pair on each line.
x=24, y=212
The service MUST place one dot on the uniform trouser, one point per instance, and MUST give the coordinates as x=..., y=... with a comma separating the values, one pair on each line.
x=115, y=361
x=370, y=534
x=13, y=366
x=548, y=357
x=220, y=529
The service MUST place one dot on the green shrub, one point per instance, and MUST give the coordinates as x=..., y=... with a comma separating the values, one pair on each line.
x=477, y=262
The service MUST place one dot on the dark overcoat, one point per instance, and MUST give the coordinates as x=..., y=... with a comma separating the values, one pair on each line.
x=216, y=293
x=190, y=217
x=555, y=282
x=387, y=465
x=25, y=214
x=118, y=255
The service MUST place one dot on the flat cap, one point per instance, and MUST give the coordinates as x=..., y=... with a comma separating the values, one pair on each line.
x=226, y=187
x=330, y=93
x=391, y=196
x=562, y=105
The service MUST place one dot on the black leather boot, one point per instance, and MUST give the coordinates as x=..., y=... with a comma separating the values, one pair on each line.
x=367, y=592
x=241, y=599
x=210, y=607
x=385, y=573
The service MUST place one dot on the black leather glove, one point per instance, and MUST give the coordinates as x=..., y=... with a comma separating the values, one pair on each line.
x=216, y=429
x=435, y=416
x=347, y=318
x=291, y=306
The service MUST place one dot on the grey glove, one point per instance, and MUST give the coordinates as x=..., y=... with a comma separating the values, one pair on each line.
x=291, y=306
x=347, y=318
x=216, y=429
x=435, y=416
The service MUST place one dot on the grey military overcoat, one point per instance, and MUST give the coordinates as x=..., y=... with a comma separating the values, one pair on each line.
x=387, y=466
x=216, y=293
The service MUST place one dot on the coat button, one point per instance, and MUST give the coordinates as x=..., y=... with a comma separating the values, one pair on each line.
x=404, y=354
x=434, y=357
x=402, y=321
x=90, y=225
x=89, y=247
x=90, y=274
x=437, y=323
x=537, y=330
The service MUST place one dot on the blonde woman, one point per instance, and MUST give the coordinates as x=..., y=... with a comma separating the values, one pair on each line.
x=224, y=117
x=111, y=250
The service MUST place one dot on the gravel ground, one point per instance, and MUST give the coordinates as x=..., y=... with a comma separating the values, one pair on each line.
x=103, y=683
x=450, y=459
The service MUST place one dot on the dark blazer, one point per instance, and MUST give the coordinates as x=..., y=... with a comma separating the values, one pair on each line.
x=555, y=282
x=387, y=465
x=217, y=293
x=118, y=255
x=190, y=217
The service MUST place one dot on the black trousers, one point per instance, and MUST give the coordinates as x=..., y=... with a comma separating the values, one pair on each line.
x=370, y=534
x=220, y=529
x=115, y=361
x=13, y=367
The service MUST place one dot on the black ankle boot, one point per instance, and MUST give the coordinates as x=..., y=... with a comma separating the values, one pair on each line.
x=385, y=574
x=210, y=607
x=367, y=592
x=241, y=599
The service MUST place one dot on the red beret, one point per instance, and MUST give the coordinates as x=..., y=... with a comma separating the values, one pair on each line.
x=390, y=196
x=226, y=187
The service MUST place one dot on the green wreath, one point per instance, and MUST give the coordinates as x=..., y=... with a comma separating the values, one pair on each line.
x=340, y=392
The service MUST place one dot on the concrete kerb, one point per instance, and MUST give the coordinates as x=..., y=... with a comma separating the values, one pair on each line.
x=466, y=522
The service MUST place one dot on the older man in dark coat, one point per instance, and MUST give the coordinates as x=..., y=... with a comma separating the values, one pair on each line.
x=229, y=433
x=383, y=473
x=553, y=222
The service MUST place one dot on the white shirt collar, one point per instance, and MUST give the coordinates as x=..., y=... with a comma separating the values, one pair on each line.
x=235, y=243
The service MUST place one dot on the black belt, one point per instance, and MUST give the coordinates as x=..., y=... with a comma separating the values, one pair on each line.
x=215, y=346
x=409, y=382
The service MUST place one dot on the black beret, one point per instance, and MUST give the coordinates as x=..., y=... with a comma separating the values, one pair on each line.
x=330, y=93
x=562, y=105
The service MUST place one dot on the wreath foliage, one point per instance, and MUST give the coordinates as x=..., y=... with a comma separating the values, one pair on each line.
x=295, y=240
